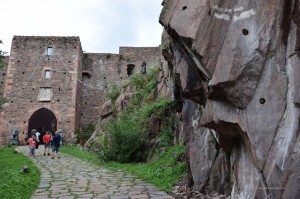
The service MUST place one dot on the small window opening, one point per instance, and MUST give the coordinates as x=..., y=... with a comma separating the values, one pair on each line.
x=130, y=68
x=47, y=74
x=49, y=51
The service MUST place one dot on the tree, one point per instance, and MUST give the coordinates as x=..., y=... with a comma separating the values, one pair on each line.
x=2, y=53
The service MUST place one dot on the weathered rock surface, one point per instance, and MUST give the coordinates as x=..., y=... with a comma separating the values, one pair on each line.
x=235, y=68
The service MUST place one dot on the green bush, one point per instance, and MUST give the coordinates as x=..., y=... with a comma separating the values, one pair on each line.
x=114, y=93
x=125, y=137
x=85, y=133
x=126, y=142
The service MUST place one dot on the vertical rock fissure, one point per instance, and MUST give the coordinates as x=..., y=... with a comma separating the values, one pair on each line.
x=209, y=172
x=264, y=182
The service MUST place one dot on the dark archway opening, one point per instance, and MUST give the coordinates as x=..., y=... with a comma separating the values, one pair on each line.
x=42, y=120
x=130, y=68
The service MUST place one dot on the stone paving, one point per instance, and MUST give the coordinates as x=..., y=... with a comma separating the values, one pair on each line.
x=71, y=178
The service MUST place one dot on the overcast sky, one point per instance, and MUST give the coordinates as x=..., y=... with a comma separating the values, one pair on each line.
x=102, y=25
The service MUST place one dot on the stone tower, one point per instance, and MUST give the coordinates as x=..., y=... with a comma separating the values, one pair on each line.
x=42, y=87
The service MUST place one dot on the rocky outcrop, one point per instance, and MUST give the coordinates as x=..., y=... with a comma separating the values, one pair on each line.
x=234, y=66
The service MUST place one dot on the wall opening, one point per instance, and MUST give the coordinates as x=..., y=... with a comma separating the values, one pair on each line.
x=47, y=74
x=130, y=69
x=49, y=51
x=42, y=120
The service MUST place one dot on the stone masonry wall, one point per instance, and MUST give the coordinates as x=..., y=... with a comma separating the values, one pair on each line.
x=3, y=74
x=100, y=71
x=28, y=62
x=136, y=56
x=77, y=85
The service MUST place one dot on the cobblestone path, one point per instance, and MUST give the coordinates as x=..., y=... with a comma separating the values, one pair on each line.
x=71, y=178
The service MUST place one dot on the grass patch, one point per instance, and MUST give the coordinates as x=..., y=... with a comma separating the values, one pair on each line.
x=163, y=173
x=13, y=182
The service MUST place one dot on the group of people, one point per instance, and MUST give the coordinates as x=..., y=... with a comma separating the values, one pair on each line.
x=50, y=140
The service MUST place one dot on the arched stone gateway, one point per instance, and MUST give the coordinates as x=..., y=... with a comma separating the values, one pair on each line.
x=42, y=120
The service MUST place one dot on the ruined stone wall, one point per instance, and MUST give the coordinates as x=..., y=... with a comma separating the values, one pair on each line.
x=28, y=62
x=100, y=71
x=136, y=56
x=3, y=74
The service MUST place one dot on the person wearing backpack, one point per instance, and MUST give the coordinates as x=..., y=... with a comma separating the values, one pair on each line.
x=56, y=145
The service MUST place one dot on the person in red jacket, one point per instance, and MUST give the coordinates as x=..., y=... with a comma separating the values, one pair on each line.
x=32, y=144
x=46, y=140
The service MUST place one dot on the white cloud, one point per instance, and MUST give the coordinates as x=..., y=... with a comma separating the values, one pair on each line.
x=102, y=25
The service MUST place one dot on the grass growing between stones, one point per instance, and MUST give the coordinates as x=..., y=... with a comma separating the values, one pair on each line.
x=163, y=172
x=13, y=182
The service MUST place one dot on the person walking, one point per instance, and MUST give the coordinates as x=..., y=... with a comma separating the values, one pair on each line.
x=37, y=137
x=32, y=145
x=46, y=140
x=29, y=136
x=56, y=145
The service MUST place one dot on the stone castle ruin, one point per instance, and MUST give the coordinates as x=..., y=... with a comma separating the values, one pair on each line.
x=49, y=83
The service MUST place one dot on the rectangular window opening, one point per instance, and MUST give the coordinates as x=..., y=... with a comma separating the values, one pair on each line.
x=49, y=51
x=47, y=74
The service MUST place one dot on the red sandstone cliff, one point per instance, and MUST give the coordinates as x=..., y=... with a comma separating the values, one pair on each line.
x=235, y=66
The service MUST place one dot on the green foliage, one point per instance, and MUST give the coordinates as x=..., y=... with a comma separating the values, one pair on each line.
x=163, y=173
x=126, y=142
x=85, y=133
x=144, y=86
x=166, y=136
x=114, y=93
x=2, y=53
x=125, y=138
x=13, y=182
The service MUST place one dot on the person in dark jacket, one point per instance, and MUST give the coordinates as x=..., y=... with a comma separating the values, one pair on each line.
x=56, y=145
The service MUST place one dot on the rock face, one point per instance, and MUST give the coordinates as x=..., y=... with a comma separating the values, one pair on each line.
x=235, y=66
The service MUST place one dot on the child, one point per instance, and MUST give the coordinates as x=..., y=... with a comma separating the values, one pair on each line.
x=46, y=140
x=32, y=144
